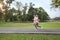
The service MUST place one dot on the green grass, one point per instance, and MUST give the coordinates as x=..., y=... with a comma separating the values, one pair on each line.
x=11, y=24
x=29, y=36
x=50, y=24
x=30, y=25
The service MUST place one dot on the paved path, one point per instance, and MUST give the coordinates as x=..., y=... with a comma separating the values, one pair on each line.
x=29, y=30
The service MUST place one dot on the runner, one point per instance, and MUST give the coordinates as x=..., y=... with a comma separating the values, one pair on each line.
x=36, y=21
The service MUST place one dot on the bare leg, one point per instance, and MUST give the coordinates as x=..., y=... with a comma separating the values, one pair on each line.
x=36, y=25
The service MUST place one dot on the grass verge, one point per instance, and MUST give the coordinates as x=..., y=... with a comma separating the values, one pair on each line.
x=29, y=36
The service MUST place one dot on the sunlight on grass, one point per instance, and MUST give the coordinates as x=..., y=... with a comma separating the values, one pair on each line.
x=29, y=37
x=16, y=25
x=30, y=25
x=50, y=24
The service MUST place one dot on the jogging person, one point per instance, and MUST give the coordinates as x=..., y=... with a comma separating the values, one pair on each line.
x=36, y=21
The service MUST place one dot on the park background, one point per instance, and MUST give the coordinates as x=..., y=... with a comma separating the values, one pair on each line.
x=19, y=13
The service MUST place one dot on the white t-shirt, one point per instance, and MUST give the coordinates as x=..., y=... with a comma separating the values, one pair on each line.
x=35, y=19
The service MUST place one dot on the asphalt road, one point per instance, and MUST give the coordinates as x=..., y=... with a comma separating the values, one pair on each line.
x=29, y=30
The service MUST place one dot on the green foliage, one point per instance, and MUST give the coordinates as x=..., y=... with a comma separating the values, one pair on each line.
x=56, y=3
x=42, y=14
x=30, y=13
x=24, y=15
x=9, y=1
x=1, y=15
x=8, y=13
x=56, y=18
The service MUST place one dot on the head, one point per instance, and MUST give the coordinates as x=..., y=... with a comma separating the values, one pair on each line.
x=36, y=15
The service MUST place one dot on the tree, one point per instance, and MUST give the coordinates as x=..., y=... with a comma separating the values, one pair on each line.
x=30, y=12
x=8, y=13
x=42, y=14
x=3, y=6
x=1, y=14
x=24, y=16
x=9, y=2
x=1, y=0
x=56, y=3
x=19, y=7
x=57, y=18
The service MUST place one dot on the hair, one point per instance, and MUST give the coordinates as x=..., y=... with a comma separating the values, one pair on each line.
x=36, y=15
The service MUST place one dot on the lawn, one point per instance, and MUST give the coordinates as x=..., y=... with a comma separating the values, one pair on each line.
x=12, y=24
x=29, y=36
x=50, y=24
x=30, y=25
